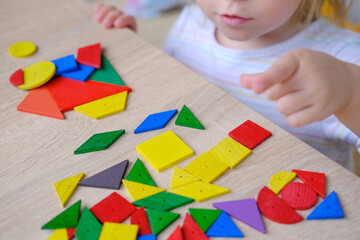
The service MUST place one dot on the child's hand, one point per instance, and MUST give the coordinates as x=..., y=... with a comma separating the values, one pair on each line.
x=110, y=17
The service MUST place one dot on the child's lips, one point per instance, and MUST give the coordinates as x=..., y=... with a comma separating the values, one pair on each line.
x=233, y=20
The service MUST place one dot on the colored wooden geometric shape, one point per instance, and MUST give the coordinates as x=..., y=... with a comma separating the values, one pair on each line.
x=187, y=119
x=113, y=208
x=139, y=218
x=109, y=178
x=90, y=55
x=104, y=107
x=329, y=208
x=69, y=93
x=155, y=121
x=139, y=191
x=80, y=74
x=204, y=217
x=181, y=177
x=313, y=179
x=66, y=187
x=191, y=230
x=65, y=64
x=299, y=196
x=230, y=152
x=207, y=167
x=88, y=227
x=22, y=49
x=275, y=209
x=106, y=73
x=176, y=234
x=200, y=191
x=66, y=219
x=138, y=173
x=70, y=233
x=163, y=201
x=164, y=150
x=146, y=237
x=250, y=134
x=17, y=78
x=224, y=227
x=39, y=101
x=99, y=141
x=159, y=220
x=37, y=74
x=244, y=210
x=59, y=234
x=280, y=179
x=118, y=231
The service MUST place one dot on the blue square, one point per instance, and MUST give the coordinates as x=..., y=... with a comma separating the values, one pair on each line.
x=146, y=237
x=155, y=121
x=65, y=64
x=81, y=74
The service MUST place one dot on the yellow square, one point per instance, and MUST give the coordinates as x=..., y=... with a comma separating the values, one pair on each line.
x=164, y=150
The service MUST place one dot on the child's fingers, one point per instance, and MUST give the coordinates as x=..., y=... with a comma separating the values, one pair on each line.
x=293, y=102
x=98, y=6
x=304, y=117
x=125, y=21
x=101, y=14
x=111, y=16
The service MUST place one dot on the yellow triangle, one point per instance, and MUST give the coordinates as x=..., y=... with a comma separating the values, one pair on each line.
x=181, y=177
x=104, y=107
x=59, y=234
x=280, y=179
x=66, y=187
x=118, y=231
x=139, y=191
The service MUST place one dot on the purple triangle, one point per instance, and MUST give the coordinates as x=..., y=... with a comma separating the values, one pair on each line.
x=110, y=178
x=245, y=210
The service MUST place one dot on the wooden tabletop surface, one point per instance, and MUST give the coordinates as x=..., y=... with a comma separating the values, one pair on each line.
x=37, y=151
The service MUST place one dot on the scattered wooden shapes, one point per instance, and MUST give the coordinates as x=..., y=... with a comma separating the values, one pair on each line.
x=191, y=230
x=90, y=55
x=181, y=177
x=164, y=150
x=204, y=217
x=299, y=196
x=80, y=74
x=207, y=167
x=159, y=220
x=37, y=74
x=244, y=210
x=118, y=231
x=113, y=208
x=155, y=121
x=146, y=237
x=224, y=227
x=230, y=152
x=329, y=208
x=22, y=49
x=187, y=119
x=66, y=187
x=59, y=234
x=109, y=178
x=65, y=64
x=66, y=219
x=313, y=179
x=99, y=141
x=138, y=173
x=139, y=218
x=280, y=179
x=275, y=209
x=139, y=191
x=88, y=227
x=70, y=233
x=39, y=101
x=249, y=134
x=17, y=78
x=176, y=234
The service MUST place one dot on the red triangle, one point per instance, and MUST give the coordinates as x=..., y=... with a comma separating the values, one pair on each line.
x=17, y=78
x=90, y=55
x=71, y=233
x=191, y=230
x=139, y=218
x=69, y=93
x=313, y=179
x=176, y=234
x=39, y=101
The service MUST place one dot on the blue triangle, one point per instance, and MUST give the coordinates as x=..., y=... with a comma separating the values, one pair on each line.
x=146, y=237
x=81, y=74
x=155, y=121
x=224, y=227
x=329, y=208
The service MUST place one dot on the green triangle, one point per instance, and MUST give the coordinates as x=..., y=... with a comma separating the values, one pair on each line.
x=204, y=217
x=163, y=201
x=138, y=173
x=89, y=227
x=159, y=220
x=187, y=119
x=106, y=73
x=66, y=219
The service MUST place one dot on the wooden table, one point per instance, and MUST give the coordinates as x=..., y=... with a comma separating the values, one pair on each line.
x=36, y=151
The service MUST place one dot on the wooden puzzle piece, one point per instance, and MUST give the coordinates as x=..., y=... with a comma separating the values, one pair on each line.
x=65, y=64
x=17, y=78
x=113, y=208
x=280, y=179
x=299, y=196
x=22, y=49
x=59, y=234
x=159, y=220
x=80, y=74
x=90, y=55
x=118, y=231
x=39, y=101
x=70, y=233
x=139, y=191
x=139, y=218
x=37, y=74
x=244, y=210
x=88, y=227
x=224, y=227
x=250, y=134
x=99, y=141
x=230, y=152
x=204, y=217
x=164, y=150
x=146, y=237
x=138, y=173
x=187, y=119
x=207, y=167
x=181, y=177
x=313, y=179
x=329, y=208
x=200, y=191
x=191, y=230
x=109, y=178
x=106, y=73
x=155, y=121
x=176, y=234
x=275, y=209
x=66, y=187
x=66, y=219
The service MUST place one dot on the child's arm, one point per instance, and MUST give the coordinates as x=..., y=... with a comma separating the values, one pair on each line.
x=310, y=86
x=110, y=16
